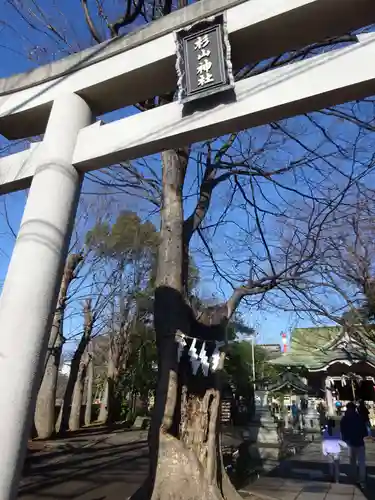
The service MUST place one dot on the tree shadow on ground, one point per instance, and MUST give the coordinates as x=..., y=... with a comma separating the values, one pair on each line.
x=69, y=452
x=252, y=458
x=39, y=449
x=93, y=429
x=104, y=472
x=269, y=459
x=87, y=470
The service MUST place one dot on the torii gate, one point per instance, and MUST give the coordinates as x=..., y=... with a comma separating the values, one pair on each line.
x=60, y=100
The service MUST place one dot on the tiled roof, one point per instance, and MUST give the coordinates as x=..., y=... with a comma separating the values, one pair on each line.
x=289, y=381
x=315, y=348
x=312, y=338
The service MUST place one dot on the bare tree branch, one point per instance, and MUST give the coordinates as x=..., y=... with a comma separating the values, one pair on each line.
x=90, y=22
x=129, y=17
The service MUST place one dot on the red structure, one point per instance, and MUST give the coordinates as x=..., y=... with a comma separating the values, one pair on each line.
x=284, y=341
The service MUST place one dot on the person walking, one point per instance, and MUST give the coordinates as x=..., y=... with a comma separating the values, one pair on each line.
x=322, y=416
x=353, y=432
x=295, y=416
x=304, y=407
x=365, y=414
x=338, y=407
x=332, y=446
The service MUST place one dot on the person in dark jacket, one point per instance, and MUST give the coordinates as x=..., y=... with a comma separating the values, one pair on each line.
x=363, y=412
x=353, y=432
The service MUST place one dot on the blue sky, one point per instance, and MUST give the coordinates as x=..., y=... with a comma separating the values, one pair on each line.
x=23, y=47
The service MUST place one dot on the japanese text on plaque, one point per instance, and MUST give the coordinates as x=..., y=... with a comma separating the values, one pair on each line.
x=201, y=46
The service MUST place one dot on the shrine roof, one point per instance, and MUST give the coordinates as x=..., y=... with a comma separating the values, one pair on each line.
x=318, y=348
x=289, y=380
x=313, y=338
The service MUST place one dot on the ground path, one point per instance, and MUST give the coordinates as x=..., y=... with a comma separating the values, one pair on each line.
x=95, y=465
x=305, y=476
x=104, y=467
x=112, y=466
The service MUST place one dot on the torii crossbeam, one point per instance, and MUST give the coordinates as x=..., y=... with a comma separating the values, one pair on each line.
x=60, y=101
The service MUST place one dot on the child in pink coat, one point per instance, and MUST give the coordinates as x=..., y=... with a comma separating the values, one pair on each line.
x=332, y=446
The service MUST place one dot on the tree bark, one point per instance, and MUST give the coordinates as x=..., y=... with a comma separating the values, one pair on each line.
x=75, y=411
x=89, y=386
x=112, y=379
x=118, y=353
x=44, y=416
x=103, y=404
x=107, y=406
x=63, y=424
x=75, y=365
x=45, y=410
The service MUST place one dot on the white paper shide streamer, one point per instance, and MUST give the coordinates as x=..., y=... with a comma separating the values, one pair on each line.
x=199, y=360
x=215, y=358
x=194, y=358
x=181, y=346
x=329, y=382
x=204, y=360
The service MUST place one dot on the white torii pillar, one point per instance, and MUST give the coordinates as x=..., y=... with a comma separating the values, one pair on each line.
x=30, y=292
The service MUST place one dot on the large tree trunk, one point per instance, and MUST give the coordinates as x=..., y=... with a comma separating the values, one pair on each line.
x=44, y=416
x=112, y=379
x=108, y=403
x=63, y=422
x=185, y=454
x=45, y=412
x=89, y=385
x=118, y=353
x=103, y=404
x=75, y=411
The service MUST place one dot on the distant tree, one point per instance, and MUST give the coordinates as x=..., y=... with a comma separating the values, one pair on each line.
x=239, y=367
x=70, y=410
x=342, y=288
x=139, y=380
x=127, y=250
x=45, y=413
x=78, y=370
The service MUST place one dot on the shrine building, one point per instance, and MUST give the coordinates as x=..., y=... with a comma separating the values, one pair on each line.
x=337, y=363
